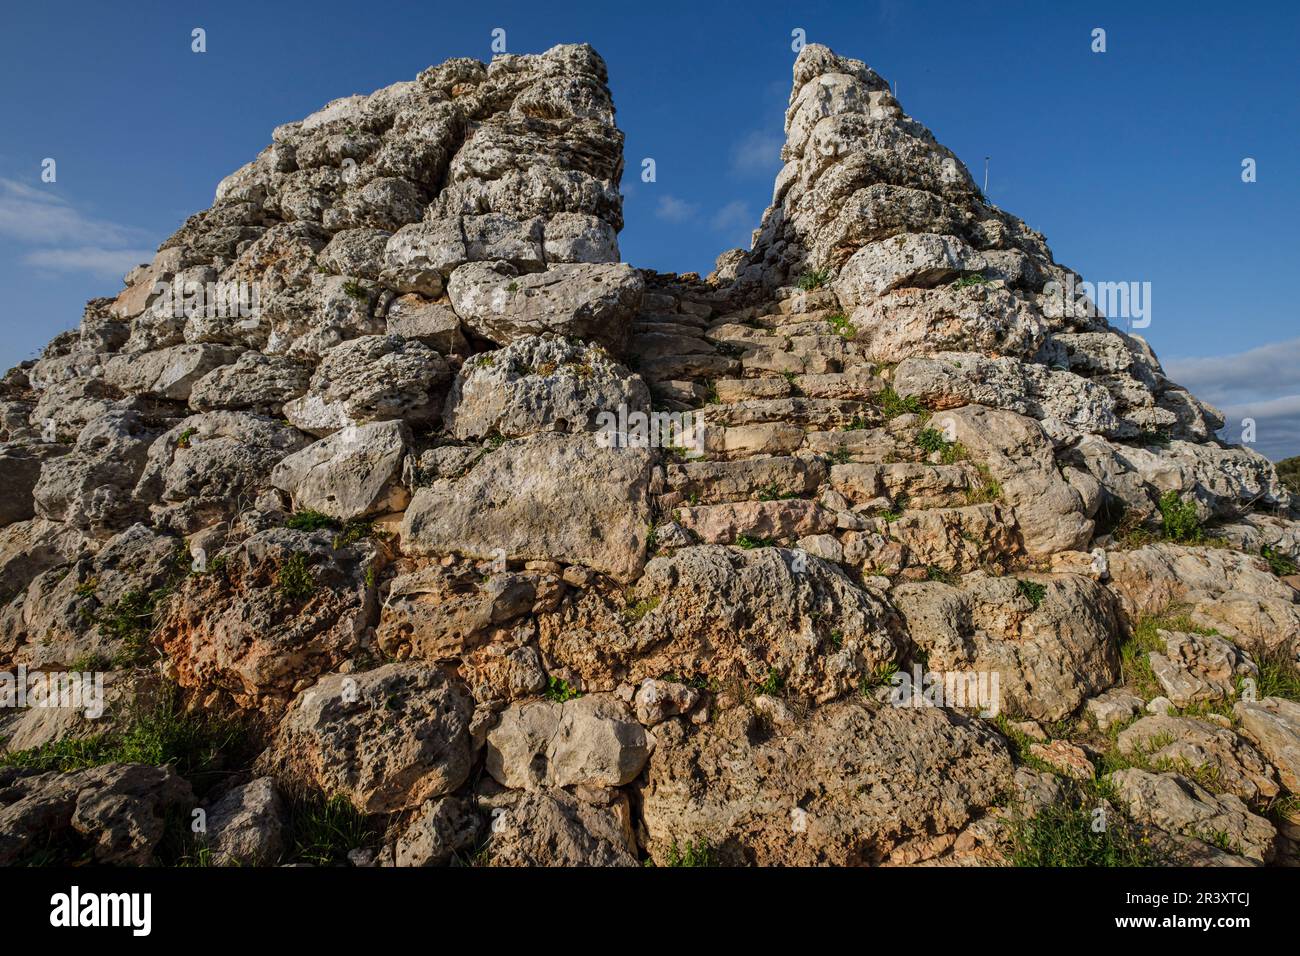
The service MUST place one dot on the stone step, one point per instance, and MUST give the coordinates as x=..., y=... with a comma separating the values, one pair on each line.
x=872, y=445
x=729, y=390
x=766, y=360
x=697, y=367
x=646, y=317
x=818, y=412
x=954, y=539
x=651, y=345
x=713, y=482
x=679, y=395
x=918, y=485
x=759, y=521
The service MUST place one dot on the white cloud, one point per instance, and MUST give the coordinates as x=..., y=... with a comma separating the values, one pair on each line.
x=1255, y=373
x=734, y=215
x=64, y=238
x=757, y=154
x=672, y=209
x=1262, y=384
x=96, y=260
x=33, y=215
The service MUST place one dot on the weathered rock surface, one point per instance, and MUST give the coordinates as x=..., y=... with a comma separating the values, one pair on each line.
x=591, y=741
x=1177, y=805
x=850, y=785
x=547, y=497
x=531, y=626
x=118, y=810
x=540, y=383
x=354, y=473
x=387, y=739
x=1274, y=725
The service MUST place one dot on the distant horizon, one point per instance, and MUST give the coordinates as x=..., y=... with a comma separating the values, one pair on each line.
x=1128, y=161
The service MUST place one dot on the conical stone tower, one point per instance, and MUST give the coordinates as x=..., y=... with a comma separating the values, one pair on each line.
x=387, y=457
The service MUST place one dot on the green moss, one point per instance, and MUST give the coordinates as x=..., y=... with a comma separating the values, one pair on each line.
x=634, y=612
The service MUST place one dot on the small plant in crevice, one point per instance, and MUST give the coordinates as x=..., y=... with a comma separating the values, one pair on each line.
x=841, y=325
x=1032, y=590
x=323, y=829
x=559, y=690
x=694, y=853
x=1280, y=564
x=971, y=279
x=814, y=279
x=894, y=405
x=309, y=520
x=772, y=684
x=294, y=580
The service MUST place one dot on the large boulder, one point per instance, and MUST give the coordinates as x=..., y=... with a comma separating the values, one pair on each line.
x=354, y=473
x=119, y=810
x=369, y=379
x=555, y=828
x=246, y=826
x=1274, y=725
x=1177, y=805
x=208, y=467
x=168, y=373
x=548, y=497
x=387, y=739
x=1051, y=639
x=269, y=616
x=1195, y=747
x=732, y=616
x=254, y=382
x=540, y=383
x=591, y=741
x=583, y=300
x=850, y=784
x=93, y=487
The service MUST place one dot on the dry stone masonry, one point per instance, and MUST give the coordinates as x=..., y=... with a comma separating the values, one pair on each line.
x=891, y=550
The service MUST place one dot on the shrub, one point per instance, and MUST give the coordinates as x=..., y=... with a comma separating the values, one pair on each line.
x=893, y=405
x=1179, y=518
x=814, y=279
x=695, y=853
x=309, y=520
x=294, y=580
x=1278, y=563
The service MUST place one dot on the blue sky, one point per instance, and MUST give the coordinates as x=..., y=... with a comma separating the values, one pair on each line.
x=1128, y=161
